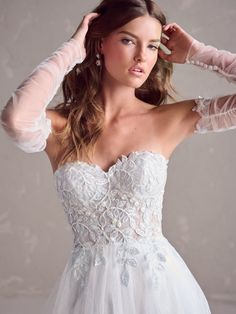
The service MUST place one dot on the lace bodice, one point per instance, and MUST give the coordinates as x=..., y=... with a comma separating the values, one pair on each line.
x=120, y=206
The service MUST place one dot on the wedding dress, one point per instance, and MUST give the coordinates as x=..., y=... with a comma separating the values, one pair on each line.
x=120, y=262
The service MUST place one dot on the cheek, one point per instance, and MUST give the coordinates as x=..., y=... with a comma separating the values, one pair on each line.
x=153, y=63
x=117, y=60
x=153, y=60
x=118, y=56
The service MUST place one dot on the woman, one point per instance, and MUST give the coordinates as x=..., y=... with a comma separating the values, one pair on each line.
x=109, y=144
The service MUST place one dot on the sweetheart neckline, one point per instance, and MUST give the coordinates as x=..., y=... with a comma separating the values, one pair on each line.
x=119, y=159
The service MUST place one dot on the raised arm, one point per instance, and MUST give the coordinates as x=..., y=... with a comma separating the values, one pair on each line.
x=216, y=114
x=210, y=58
x=24, y=116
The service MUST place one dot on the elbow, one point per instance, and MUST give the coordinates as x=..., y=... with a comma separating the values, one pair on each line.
x=7, y=117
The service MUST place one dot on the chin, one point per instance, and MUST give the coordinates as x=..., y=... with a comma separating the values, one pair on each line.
x=136, y=84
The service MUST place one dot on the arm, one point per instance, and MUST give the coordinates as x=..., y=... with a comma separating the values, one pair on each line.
x=218, y=113
x=24, y=116
x=208, y=57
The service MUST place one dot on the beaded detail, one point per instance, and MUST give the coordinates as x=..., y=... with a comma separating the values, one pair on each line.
x=210, y=58
x=203, y=65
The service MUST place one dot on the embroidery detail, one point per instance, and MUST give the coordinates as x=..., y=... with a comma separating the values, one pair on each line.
x=81, y=265
x=157, y=261
x=126, y=256
x=122, y=206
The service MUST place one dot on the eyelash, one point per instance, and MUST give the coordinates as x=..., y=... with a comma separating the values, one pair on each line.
x=156, y=48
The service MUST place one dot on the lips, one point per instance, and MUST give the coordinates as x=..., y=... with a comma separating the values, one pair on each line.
x=137, y=69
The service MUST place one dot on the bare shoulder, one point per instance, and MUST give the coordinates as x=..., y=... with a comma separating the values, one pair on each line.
x=175, y=122
x=177, y=119
x=58, y=122
x=182, y=117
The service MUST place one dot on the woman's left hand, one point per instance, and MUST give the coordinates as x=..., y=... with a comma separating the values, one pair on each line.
x=178, y=43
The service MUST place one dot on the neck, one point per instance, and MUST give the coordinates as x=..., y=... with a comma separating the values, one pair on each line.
x=118, y=99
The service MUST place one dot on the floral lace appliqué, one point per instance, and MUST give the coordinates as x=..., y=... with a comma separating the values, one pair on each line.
x=121, y=206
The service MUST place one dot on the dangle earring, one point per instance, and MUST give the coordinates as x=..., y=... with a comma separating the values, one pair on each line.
x=98, y=61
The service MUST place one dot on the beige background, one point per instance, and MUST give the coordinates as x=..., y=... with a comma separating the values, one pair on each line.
x=199, y=211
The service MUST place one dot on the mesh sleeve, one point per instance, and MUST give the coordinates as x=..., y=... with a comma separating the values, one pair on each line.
x=216, y=114
x=210, y=58
x=24, y=116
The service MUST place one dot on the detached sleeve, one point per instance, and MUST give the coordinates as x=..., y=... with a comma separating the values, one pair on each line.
x=217, y=114
x=24, y=115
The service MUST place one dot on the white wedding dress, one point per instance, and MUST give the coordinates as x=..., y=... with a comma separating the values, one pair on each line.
x=121, y=263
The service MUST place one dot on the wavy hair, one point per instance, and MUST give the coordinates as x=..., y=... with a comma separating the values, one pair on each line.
x=82, y=85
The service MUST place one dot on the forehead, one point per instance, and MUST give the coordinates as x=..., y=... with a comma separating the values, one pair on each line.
x=145, y=27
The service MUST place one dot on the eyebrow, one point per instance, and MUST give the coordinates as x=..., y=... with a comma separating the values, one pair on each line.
x=126, y=32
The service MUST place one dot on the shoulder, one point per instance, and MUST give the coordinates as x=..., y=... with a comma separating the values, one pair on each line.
x=58, y=123
x=180, y=117
x=186, y=116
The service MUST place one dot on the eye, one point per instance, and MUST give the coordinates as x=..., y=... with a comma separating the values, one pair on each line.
x=126, y=39
x=155, y=48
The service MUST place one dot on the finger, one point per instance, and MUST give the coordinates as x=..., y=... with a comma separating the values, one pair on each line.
x=164, y=41
x=164, y=56
x=164, y=38
x=165, y=49
x=172, y=28
x=94, y=15
x=167, y=43
x=89, y=17
x=170, y=25
x=163, y=35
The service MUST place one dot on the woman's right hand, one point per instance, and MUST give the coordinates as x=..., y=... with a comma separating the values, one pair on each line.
x=82, y=29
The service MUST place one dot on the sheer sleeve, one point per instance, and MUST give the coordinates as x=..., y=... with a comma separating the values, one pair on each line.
x=24, y=115
x=216, y=114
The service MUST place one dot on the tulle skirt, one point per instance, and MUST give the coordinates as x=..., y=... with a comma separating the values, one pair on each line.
x=135, y=283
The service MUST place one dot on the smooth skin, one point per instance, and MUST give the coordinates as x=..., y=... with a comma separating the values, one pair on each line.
x=131, y=124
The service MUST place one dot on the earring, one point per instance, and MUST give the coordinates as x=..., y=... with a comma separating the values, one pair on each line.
x=98, y=61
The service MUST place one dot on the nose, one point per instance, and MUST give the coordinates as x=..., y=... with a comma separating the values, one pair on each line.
x=140, y=55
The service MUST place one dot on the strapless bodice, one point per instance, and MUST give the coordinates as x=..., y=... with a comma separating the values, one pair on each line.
x=121, y=204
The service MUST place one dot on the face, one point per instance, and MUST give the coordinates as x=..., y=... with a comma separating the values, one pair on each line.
x=134, y=44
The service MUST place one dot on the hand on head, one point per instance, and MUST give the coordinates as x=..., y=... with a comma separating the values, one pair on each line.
x=82, y=30
x=177, y=41
x=84, y=25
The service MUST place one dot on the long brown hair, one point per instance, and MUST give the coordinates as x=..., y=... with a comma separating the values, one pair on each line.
x=81, y=86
